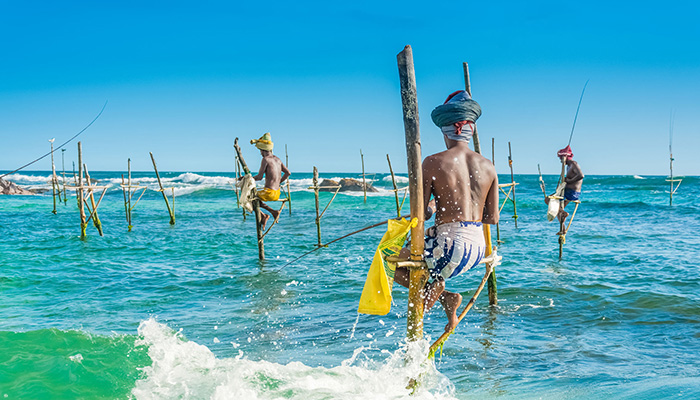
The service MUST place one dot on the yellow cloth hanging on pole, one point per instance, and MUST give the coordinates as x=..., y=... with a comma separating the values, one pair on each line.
x=376, y=295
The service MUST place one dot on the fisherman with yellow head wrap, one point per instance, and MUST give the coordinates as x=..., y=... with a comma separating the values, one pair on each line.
x=272, y=169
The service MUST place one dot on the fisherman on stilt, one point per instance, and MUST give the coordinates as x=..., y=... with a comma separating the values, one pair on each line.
x=464, y=187
x=573, y=182
x=274, y=171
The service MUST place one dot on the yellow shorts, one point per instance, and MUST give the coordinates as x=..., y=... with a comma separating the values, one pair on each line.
x=267, y=194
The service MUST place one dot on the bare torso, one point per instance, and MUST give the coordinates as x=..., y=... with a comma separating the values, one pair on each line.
x=464, y=185
x=272, y=167
x=574, y=176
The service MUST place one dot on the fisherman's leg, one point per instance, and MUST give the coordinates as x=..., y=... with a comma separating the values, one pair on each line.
x=402, y=276
x=433, y=291
x=272, y=212
x=562, y=217
x=450, y=302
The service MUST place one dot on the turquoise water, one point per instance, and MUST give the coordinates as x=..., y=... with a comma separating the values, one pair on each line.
x=187, y=311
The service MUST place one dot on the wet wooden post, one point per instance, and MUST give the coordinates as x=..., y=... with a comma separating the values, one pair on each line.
x=512, y=180
x=54, y=180
x=493, y=161
x=289, y=190
x=63, y=165
x=79, y=192
x=95, y=219
x=318, y=215
x=418, y=276
x=493, y=290
x=165, y=196
x=396, y=189
x=256, y=205
x=364, y=182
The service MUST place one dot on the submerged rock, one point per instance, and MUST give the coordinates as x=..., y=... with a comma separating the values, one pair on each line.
x=7, y=187
x=346, y=185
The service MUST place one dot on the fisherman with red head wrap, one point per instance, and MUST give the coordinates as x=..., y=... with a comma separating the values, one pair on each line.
x=573, y=180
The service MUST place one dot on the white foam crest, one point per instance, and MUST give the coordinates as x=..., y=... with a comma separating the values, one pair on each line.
x=185, y=369
x=22, y=179
x=639, y=177
x=399, y=179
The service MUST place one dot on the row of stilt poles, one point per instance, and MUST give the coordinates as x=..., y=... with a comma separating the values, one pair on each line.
x=85, y=194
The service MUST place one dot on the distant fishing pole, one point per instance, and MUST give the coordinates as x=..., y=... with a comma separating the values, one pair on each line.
x=335, y=240
x=577, y=109
x=65, y=143
x=670, y=134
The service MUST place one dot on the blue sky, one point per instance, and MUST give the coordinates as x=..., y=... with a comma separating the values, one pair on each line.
x=183, y=79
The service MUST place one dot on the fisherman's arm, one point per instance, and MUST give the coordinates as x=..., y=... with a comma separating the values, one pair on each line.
x=285, y=173
x=490, y=215
x=261, y=173
x=428, y=190
x=575, y=172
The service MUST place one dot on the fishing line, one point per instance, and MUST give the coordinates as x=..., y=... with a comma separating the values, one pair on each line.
x=335, y=240
x=65, y=143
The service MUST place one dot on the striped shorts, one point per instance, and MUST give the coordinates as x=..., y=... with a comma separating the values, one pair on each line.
x=456, y=248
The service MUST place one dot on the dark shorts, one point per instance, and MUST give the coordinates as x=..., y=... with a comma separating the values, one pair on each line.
x=572, y=195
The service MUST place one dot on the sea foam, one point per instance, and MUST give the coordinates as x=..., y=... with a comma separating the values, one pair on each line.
x=185, y=369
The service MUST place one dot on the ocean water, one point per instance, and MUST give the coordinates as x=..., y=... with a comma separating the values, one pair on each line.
x=188, y=311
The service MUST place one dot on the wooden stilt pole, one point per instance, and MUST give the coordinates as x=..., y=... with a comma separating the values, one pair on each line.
x=54, y=180
x=63, y=164
x=396, y=189
x=289, y=190
x=492, y=287
x=512, y=180
x=79, y=191
x=128, y=164
x=318, y=215
x=418, y=276
x=493, y=161
x=256, y=205
x=364, y=182
x=165, y=196
x=95, y=219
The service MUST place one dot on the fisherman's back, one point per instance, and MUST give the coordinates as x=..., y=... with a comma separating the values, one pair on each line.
x=460, y=182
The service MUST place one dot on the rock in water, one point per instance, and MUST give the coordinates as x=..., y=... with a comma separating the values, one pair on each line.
x=346, y=185
x=7, y=187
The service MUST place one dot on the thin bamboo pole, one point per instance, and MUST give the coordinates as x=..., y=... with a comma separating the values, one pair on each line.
x=289, y=190
x=364, y=183
x=493, y=161
x=165, y=196
x=63, y=165
x=128, y=163
x=79, y=191
x=512, y=180
x=256, y=205
x=95, y=218
x=418, y=276
x=396, y=190
x=126, y=204
x=492, y=286
x=318, y=215
x=54, y=181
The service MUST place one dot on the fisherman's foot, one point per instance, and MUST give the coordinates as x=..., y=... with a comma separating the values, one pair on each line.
x=432, y=293
x=263, y=220
x=275, y=215
x=451, y=303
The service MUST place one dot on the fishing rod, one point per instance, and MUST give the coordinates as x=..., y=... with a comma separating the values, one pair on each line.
x=335, y=240
x=573, y=127
x=577, y=109
x=64, y=143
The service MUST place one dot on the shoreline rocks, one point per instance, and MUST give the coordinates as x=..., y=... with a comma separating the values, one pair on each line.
x=7, y=187
x=346, y=185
